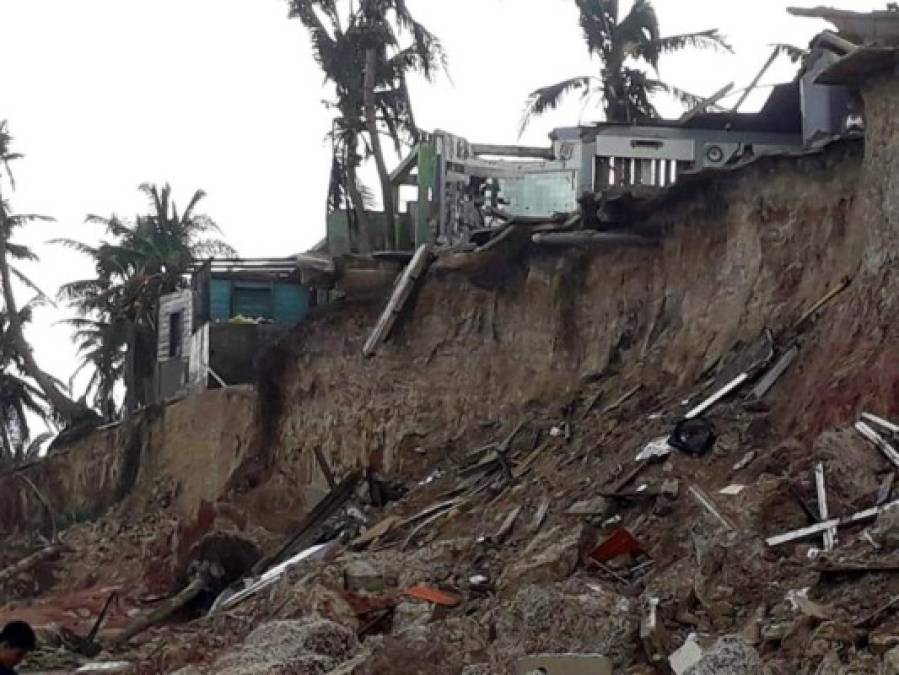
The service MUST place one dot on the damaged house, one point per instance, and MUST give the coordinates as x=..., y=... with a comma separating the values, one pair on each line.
x=459, y=193
x=211, y=333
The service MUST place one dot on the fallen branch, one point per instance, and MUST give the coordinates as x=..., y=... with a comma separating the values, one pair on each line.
x=30, y=561
x=163, y=612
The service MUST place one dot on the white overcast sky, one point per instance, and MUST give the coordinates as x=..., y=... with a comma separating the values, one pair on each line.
x=224, y=95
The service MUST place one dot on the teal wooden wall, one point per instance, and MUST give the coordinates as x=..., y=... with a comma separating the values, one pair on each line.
x=281, y=302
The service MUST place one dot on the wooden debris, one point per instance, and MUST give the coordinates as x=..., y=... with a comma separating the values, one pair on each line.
x=630, y=476
x=777, y=371
x=540, y=516
x=525, y=465
x=627, y=396
x=163, y=612
x=401, y=294
x=717, y=396
x=834, y=292
x=830, y=534
x=433, y=595
x=856, y=567
x=882, y=423
x=507, y=525
x=818, y=528
x=30, y=561
x=308, y=528
x=886, y=488
x=375, y=532
x=873, y=616
x=710, y=506
x=326, y=470
x=888, y=450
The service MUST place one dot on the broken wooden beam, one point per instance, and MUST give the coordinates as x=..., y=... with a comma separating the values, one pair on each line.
x=590, y=238
x=326, y=470
x=163, y=612
x=777, y=371
x=540, y=516
x=30, y=561
x=401, y=294
x=888, y=450
x=818, y=528
x=882, y=423
x=829, y=534
x=717, y=396
x=309, y=526
x=830, y=295
x=711, y=507
x=700, y=107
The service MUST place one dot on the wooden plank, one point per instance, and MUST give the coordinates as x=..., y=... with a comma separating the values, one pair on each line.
x=717, y=396
x=507, y=525
x=710, y=506
x=705, y=103
x=540, y=516
x=818, y=528
x=775, y=373
x=829, y=534
x=882, y=423
x=888, y=450
x=375, y=531
x=326, y=470
x=401, y=293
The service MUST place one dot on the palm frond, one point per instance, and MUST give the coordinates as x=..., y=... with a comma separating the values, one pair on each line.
x=707, y=39
x=549, y=98
x=795, y=54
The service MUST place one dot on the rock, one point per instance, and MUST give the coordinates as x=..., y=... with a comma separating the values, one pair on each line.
x=728, y=655
x=360, y=575
x=550, y=557
x=598, y=506
x=572, y=616
x=686, y=656
x=311, y=645
x=891, y=662
x=410, y=614
x=670, y=488
x=886, y=529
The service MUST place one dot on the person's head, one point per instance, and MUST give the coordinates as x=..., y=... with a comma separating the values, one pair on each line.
x=16, y=640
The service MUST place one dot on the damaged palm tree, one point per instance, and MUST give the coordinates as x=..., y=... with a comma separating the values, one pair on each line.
x=622, y=43
x=366, y=53
x=67, y=409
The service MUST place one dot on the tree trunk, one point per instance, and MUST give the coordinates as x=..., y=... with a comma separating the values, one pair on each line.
x=363, y=225
x=371, y=123
x=68, y=409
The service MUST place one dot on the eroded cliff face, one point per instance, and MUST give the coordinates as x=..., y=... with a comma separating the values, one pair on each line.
x=169, y=458
x=491, y=335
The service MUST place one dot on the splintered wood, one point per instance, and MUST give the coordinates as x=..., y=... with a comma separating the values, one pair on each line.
x=401, y=294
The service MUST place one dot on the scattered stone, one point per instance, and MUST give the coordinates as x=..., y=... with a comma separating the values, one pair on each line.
x=670, y=488
x=891, y=662
x=598, y=506
x=550, y=557
x=360, y=575
x=310, y=645
x=886, y=529
x=728, y=655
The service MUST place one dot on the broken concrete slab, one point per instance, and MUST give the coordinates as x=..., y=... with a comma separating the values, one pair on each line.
x=360, y=575
x=564, y=664
x=731, y=655
x=686, y=656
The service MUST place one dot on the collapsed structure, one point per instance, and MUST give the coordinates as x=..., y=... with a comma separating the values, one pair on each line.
x=677, y=457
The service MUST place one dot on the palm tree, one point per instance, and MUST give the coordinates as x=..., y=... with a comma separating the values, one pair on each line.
x=366, y=53
x=139, y=262
x=19, y=399
x=622, y=43
x=69, y=410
